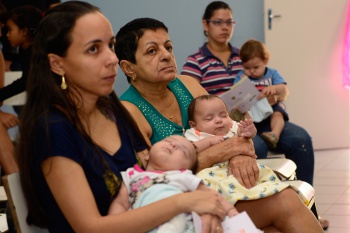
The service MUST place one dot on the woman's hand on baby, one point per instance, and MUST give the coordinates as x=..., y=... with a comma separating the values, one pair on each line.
x=225, y=151
x=203, y=202
x=211, y=223
x=245, y=170
x=247, y=128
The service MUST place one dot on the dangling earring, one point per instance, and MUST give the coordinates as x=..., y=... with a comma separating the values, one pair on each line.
x=63, y=84
x=134, y=79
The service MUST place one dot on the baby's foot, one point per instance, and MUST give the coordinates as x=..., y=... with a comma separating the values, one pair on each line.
x=270, y=139
x=236, y=115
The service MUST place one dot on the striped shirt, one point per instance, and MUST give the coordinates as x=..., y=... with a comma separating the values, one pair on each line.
x=212, y=73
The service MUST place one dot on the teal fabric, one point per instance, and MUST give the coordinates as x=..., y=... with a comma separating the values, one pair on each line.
x=161, y=126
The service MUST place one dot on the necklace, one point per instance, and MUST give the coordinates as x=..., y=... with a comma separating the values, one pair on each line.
x=171, y=115
x=171, y=109
x=167, y=111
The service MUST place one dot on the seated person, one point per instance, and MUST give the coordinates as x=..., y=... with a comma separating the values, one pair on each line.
x=215, y=66
x=76, y=138
x=7, y=120
x=254, y=56
x=22, y=23
x=158, y=99
x=167, y=173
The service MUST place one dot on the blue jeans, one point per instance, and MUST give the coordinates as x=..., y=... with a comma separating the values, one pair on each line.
x=295, y=143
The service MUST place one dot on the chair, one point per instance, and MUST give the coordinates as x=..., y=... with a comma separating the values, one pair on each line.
x=285, y=171
x=3, y=217
x=18, y=206
x=283, y=168
x=307, y=191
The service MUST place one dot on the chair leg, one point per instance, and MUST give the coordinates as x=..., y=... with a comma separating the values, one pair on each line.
x=10, y=223
x=314, y=210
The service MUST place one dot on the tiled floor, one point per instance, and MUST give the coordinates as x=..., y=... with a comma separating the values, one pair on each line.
x=332, y=186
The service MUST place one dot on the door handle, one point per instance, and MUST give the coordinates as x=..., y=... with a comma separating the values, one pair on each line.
x=271, y=16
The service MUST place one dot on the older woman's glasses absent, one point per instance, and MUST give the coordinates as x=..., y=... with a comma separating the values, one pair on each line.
x=220, y=22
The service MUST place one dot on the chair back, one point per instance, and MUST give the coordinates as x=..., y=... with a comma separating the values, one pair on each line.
x=18, y=205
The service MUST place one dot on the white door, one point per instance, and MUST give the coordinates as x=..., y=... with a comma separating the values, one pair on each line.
x=305, y=39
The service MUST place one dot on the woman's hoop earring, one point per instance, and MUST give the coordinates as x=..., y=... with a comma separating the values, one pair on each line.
x=63, y=84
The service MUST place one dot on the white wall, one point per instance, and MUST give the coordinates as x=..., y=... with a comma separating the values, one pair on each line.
x=306, y=46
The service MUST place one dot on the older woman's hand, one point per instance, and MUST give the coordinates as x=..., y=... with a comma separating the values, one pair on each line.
x=224, y=151
x=244, y=169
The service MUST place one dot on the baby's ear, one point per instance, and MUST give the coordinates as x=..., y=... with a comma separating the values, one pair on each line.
x=192, y=124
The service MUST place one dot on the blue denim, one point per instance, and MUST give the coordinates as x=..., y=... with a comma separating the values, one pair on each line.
x=294, y=142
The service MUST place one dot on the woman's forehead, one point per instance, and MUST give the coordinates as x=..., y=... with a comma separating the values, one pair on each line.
x=92, y=26
x=157, y=36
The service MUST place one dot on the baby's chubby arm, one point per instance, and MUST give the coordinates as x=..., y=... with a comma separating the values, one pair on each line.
x=205, y=143
x=246, y=128
x=121, y=202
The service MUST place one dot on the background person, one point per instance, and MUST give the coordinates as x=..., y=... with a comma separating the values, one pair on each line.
x=22, y=23
x=215, y=66
x=268, y=81
x=7, y=161
x=11, y=53
x=222, y=60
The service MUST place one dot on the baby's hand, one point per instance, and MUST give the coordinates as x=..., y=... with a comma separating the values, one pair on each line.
x=269, y=90
x=215, y=140
x=247, y=128
x=205, y=143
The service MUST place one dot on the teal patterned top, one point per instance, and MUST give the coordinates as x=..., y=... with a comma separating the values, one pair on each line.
x=161, y=126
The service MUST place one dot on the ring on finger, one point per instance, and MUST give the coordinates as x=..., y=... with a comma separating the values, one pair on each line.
x=218, y=228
